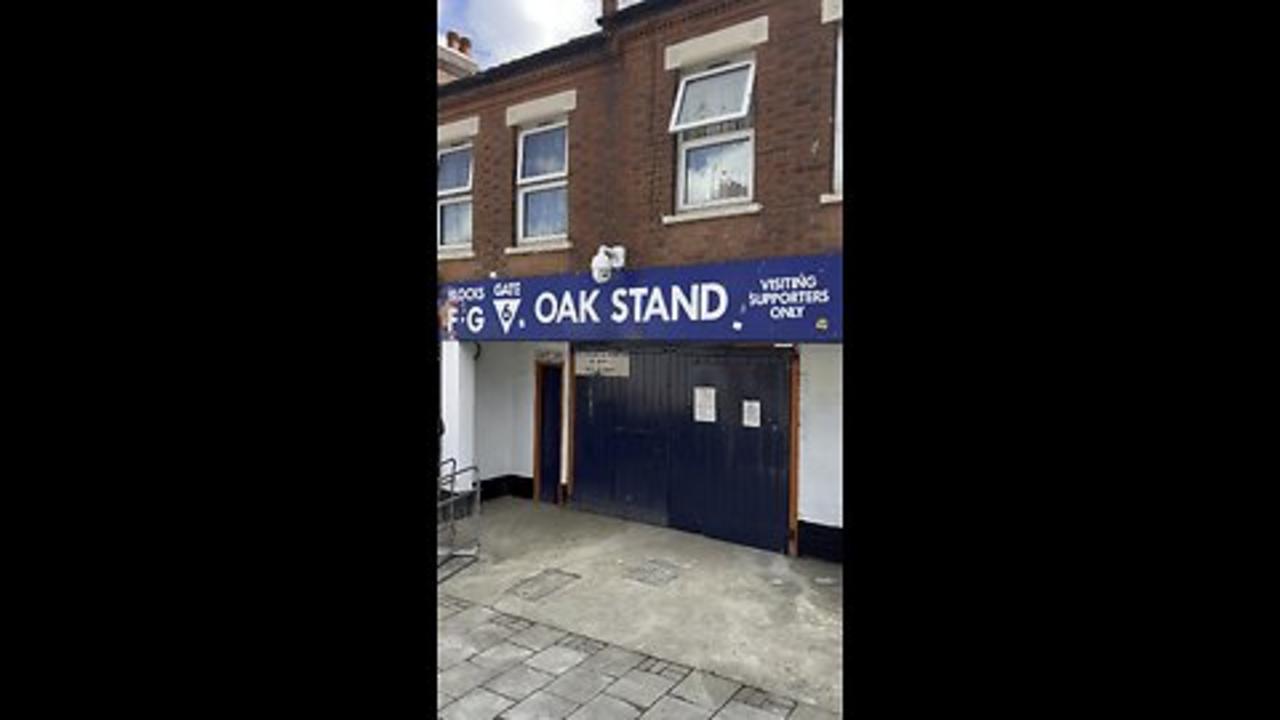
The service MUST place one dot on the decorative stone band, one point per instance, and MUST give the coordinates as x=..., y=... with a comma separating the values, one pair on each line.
x=730, y=40
x=832, y=10
x=544, y=108
x=455, y=131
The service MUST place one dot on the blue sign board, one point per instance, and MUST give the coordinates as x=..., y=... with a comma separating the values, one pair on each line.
x=791, y=299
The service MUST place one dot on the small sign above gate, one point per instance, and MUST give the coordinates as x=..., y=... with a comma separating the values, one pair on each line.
x=554, y=357
x=605, y=364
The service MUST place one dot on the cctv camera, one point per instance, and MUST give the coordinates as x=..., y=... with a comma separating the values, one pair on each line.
x=601, y=274
x=601, y=266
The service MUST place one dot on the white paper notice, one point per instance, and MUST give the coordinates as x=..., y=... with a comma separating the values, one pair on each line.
x=704, y=404
x=750, y=413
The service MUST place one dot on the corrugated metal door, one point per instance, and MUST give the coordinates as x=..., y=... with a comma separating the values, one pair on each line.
x=620, y=449
x=640, y=454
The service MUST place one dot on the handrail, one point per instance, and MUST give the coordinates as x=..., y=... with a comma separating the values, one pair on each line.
x=453, y=475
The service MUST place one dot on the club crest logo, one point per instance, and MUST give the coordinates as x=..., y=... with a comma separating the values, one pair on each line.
x=506, y=309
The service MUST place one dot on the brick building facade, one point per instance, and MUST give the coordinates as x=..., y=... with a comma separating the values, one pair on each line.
x=597, y=114
x=623, y=160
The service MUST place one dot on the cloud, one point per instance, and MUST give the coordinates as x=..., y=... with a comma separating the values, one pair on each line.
x=503, y=30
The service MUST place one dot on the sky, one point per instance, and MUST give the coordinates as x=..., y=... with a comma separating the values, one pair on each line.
x=503, y=30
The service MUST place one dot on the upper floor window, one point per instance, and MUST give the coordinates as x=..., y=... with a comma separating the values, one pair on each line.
x=455, y=167
x=542, y=185
x=715, y=95
x=453, y=196
x=712, y=120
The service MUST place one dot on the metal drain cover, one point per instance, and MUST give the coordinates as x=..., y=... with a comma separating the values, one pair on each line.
x=541, y=585
x=654, y=572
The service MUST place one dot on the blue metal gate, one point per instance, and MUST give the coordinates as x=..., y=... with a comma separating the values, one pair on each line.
x=639, y=452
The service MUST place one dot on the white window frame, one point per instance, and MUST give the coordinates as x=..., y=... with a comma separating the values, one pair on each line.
x=684, y=146
x=837, y=181
x=549, y=181
x=750, y=64
x=456, y=195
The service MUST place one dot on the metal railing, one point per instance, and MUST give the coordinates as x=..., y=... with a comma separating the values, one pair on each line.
x=457, y=520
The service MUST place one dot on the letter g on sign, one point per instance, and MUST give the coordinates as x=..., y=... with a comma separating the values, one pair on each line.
x=475, y=318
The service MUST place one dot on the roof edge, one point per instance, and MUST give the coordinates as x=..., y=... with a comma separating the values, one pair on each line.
x=577, y=46
x=637, y=11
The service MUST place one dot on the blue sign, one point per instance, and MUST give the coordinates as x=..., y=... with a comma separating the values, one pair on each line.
x=792, y=299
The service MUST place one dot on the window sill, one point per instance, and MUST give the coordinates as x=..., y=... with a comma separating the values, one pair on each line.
x=711, y=213
x=539, y=247
x=443, y=254
x=829, y=199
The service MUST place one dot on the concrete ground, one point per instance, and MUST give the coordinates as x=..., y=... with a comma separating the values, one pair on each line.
x=761, y=619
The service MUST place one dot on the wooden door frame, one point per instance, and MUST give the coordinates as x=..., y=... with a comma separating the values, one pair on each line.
x=793, y=500
x=538, y=365
x=570, y=388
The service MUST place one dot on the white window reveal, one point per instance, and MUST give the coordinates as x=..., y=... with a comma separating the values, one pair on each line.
x=833, y=12
x=712, y=121
x=453, y=196
x=838, y=182
x=542, y=170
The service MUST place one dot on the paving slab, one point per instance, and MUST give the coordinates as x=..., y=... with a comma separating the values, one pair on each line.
x=449, y=655
x=613, y=661
x=811, y=712
x=515, y=624
x=604, y=707
x=670, y=708
x=486, y=635
x=541, y=706
x=579, y=642
x=764, y=700
x=502, y=656
x=519, y=682
x=469, y=618
x=580, y=685
x=640, y=688
x=462, y=678
x=479, y=704
x=735, y=710
x=538, y=637
x=706, y=690
x=556, y=659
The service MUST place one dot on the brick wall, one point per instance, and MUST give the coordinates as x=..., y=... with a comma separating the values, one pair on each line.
x=622, y=160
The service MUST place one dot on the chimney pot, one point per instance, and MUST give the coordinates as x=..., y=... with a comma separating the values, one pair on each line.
x=464, y=45
x=452, y=38
x=608, y=7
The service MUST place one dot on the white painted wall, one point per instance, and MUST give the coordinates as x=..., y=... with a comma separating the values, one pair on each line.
x=504, y=412
x=821, y=451
x=504, y=409
x=457, y=404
